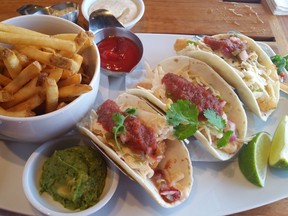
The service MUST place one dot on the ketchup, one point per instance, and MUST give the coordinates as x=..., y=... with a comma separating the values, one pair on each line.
x=118, y=54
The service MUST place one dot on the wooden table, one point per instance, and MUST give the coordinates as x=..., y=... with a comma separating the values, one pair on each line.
x=200, y=17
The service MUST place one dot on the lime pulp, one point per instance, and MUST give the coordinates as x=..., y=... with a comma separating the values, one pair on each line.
x=253, y=158
x=279, y=148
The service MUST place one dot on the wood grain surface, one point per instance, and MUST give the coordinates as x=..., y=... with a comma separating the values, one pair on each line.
x=211, y=17
x=199, y=17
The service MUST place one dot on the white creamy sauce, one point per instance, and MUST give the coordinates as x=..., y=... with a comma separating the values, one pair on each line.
x=124, y=10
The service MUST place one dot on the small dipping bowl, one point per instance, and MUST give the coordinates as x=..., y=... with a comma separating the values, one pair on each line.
x=117, y=45
x=66, y=10
x=128, y=12
x=44, y=203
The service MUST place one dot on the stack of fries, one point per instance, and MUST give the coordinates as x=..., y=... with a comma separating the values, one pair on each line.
x=40, y=73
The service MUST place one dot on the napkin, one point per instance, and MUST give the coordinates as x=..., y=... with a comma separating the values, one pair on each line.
x=278, y=7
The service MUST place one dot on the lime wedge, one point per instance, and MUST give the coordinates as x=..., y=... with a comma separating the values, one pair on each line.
x=279, y=148
x=253, y=158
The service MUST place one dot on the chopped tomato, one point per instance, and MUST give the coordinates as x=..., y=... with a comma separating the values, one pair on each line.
x=170, y=194
x=282, y=76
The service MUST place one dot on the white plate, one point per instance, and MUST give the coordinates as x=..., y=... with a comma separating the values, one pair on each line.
x=219, y=187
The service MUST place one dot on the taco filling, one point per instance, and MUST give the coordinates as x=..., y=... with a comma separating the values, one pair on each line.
x=245, y=61
x=208, y=102
x=135, y=135
x=138, y=136
x=179, y=88
x=184, y=85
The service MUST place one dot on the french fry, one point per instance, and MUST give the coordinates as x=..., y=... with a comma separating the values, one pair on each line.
x=47, y=49
x=40, y=73
x=41, y=79
x=82, y=41
x=52, y=94
x=11, y=62
x=54, y=73
x=78, y=59
x=61, y=105
x=89, y=36
x=74, y=79
x=23, y=113
x=5, y=96
x=89, y=42
x=4, y=80
x=24, y=60
x=73, y=90
x=72, y=64
x=52, y=59
x=86, y=79
x=66, y=74
x=40, y=41
x=23, y=94
x=25, y=76
x=29, y=104
x=15, y=29
x=65, y=36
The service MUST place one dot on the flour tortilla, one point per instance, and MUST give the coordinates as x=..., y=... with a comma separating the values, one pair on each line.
x=234, y=79
x=235, y=113
x=176, y=151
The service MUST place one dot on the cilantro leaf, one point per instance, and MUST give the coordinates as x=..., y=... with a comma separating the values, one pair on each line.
x=183, y=116
x=185, y=131
x=119, y=127
x=286, y=58
x=182, y=111
x=280, y=62
x=130, y=111
x=118, y=119
x=215, y=119
x=225, y=139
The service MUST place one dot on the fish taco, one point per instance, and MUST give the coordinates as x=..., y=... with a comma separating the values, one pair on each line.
x=242, y=63
x=139, y=140
x=183, y=83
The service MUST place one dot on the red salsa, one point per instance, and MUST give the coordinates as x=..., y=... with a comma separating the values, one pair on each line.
x=118, y=54
x=228, y=47
x=139, y=137
x=178, y=88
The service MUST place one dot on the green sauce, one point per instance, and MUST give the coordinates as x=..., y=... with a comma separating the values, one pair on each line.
x=75, y=177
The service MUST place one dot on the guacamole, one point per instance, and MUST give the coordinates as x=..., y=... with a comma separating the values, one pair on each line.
x=75, y=177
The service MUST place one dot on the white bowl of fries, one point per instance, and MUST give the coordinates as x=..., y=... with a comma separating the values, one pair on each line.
x=49, y=77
